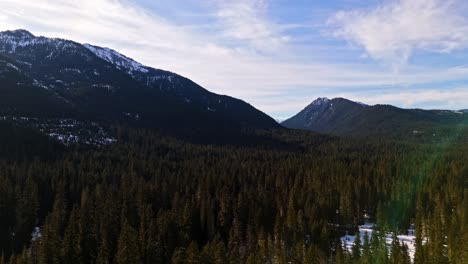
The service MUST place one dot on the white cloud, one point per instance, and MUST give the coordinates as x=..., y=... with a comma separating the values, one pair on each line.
x=454, y=99
x=393, y=31
x=245, y=20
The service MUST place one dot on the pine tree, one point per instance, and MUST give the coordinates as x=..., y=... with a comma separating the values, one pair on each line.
x=178, y=257
x=71, y=251
x=27, y=208
x=366, y=250
x=380, y=217
x=219, y=252
x=438, y=251
x=405, y=258
x=356, y=249
x=339, y=255
x=395, y=250
x=128, y=251
x=192, y=253
x=420, y=254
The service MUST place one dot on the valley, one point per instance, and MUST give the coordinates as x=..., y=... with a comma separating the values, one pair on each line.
x=105, y=160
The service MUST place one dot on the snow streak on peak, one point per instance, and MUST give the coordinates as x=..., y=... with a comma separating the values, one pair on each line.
x=320, y=101
x=117, y=59
x=324, y=101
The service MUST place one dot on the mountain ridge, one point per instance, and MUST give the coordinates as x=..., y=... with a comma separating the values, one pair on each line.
x=71, y=79
x=343, y=117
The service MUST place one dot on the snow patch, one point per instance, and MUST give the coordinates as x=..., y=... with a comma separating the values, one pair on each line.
x=120, y=61
x=409, y=240
x=109, y=88
x=39, y=84
x=12, y=66
x=36, y=234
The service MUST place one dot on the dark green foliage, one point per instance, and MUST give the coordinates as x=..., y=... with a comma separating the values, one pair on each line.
x=152, y=199
x=356, y=250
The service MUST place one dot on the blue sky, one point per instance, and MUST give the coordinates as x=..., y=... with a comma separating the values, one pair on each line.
x=279, y=55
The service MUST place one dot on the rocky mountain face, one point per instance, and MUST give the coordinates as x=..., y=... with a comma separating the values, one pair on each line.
x=57, y=78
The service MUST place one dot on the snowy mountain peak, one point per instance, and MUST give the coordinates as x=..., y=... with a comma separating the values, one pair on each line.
x=320, y=101
x=12, y=40
x=18, y=33
x=325, y=101
x=117, y=59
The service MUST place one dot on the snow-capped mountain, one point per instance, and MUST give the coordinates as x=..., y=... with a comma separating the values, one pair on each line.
x=15, y=41
x=341, y=116
x=54, y=77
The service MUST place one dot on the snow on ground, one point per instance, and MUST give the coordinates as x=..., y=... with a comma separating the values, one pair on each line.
x=408, y=240
x=36, y=234
x=67, y=131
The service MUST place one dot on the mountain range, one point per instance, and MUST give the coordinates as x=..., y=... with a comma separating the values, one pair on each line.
x=82, y=85
x=344, y=117
x=50, y=77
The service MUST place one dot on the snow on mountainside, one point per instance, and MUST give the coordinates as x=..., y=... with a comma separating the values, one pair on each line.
x=320, y=101
x=10, y=41
x=117, y=59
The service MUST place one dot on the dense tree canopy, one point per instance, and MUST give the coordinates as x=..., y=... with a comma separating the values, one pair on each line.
x=155, y=199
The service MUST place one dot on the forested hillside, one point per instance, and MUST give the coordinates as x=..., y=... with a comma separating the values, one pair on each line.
x=153, y=199
x=342, y=117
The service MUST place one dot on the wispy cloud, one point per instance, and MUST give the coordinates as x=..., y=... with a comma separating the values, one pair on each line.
x=246, y=21
x=454, y=99
x=393, y=31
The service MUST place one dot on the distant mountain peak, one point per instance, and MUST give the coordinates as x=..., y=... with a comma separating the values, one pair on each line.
x=340, y=116
x=323, y=101
x=18, y=33
x=11, y=40
x=320, y=101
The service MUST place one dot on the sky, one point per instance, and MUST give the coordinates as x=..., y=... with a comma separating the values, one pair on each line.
x=278, y=55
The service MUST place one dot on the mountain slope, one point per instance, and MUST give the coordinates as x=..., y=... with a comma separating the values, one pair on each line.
x=55, y=77
x=340, y=116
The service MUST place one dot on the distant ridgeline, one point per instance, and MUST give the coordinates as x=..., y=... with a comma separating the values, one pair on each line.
x=343, y=117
